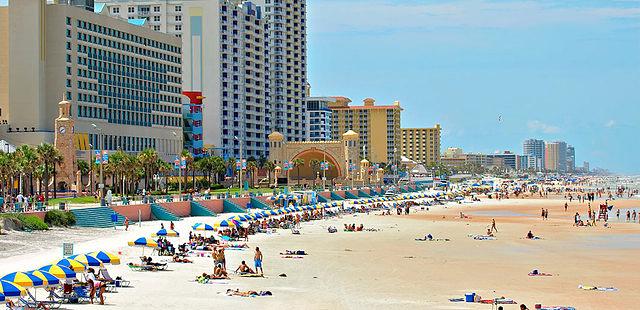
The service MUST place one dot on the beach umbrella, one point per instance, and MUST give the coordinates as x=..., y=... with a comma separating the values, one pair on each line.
x=272, y=212
x=71, y=264
x=225, y=223
x=202, y=227
x=240, y=218
x=23, y=279
x=258, y=215
x=106, y=257
x=280, y=211
x=2, y=298
x=144, y=242
x=61, y=272
x=264, y=213
x=88, y=260
x=47, y=278
x=10, y=289
x=166, y=233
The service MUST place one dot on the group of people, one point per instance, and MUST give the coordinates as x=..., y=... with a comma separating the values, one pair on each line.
x=20, y=202
x=353, y=227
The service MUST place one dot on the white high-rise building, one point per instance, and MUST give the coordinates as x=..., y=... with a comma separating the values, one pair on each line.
x=536, y=152
x=287, y=40
x=248, y=60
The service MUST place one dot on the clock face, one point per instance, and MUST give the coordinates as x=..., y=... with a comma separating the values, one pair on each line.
x=63, y=129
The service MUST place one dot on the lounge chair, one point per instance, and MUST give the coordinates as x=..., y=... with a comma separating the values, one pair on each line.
x=135, y=267
x=113, y=282
x=51, y=304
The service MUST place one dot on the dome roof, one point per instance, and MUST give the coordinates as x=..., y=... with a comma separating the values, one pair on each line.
x=276, y=137
x=350, y=135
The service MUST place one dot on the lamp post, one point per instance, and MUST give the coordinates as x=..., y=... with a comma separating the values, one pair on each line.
x=240, y=171
x=101, y=147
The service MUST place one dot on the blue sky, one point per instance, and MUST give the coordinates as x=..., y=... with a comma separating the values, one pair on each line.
x=492, y=73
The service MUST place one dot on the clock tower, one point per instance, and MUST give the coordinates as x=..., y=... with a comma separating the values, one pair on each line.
x=64, y=144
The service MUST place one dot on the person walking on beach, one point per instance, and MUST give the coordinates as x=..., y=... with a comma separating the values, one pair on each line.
x=566, y=205
x=493, y=225
x=618, y=214
x=257, y=259
x=171, y=225
x=542, y=213
x=161, y=225
x=126, y=224
x=546, y=214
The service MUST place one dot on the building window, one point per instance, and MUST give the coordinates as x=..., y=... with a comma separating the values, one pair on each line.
x=178, y=27
x=178, y=8
x=115, y=10
x=156, y=9
x=156, y=18
x=156, y=28
x=178, y=18
x=132, y=9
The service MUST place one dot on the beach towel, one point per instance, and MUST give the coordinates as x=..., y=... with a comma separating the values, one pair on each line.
x=498, y=301
x=482, y=237
x=540, y=274
x=556, y=308
x=292, y=256
x=597, y=288
x=456, y=299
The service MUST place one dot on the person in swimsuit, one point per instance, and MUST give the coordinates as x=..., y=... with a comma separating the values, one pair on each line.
x=257, y=259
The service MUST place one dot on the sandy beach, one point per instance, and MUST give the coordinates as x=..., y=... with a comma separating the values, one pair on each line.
x=388, y=269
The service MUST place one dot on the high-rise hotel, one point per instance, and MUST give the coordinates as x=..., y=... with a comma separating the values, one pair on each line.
x=123, y=81
x=248, y=59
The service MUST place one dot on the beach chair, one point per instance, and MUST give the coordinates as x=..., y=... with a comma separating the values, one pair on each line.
x=51, y=304
x=113, y=282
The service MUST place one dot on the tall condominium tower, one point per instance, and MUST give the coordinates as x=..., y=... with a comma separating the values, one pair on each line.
x=571, y=158
x=287, y=64
x=556, y=156
x=422, y=144
x=535, y=151
x=123, y=81
x=248, y=59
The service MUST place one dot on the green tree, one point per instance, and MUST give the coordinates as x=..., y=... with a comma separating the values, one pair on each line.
x=252, y=167
x=49, y=157
x=29, y=162
x=270, y=167
x=148, y=159
x=297, y=163
x=315, y=168
x=218, y=167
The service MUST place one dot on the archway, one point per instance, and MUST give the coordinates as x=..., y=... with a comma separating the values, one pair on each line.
x=309, y=171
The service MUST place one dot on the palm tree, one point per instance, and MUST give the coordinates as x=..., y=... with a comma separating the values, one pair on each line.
x=315, y=167
x=6, y=171
x=252, y=166
x=217, y=166
x=29, y=162
x=83, y=167
x=270, y=166
x=297, y=163
x=49, y=157
x=148, y=159
x=165, y=168
x=189, y=160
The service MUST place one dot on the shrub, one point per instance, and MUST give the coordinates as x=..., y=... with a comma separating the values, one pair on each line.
x=31, y=222
x=60, y=218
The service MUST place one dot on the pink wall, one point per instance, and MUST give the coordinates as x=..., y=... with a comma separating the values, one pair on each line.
x=326, y=195
x=132, y=211
x=340, y=193
x=355, y=192
x=39, y=214
x=214, y=205
x=242, y=201
x=178, y=208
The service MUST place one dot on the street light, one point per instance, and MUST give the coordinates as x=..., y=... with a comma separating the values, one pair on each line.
x=101, y=146
x=240, y=172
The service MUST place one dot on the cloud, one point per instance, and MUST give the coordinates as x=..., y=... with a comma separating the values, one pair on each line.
x=538, y=126
x=610, y=123
x=388, y=15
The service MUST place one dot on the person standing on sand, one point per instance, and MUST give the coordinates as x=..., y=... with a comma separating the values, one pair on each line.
x=542, y=213
x=257, y=259
x=126, y=224
x=566, y=205
x=546, y=214
x=493, y=225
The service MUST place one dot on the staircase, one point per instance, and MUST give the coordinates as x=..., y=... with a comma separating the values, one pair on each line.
x=259, y=204
x=96, y=217
x=322, y=198
x=335, y=196
x=162, y=214
x=199, y=210
x=363, y=194
x=350, y=195
x=374, y=193
x=232, y=207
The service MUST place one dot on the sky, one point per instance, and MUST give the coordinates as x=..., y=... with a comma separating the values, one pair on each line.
x=492, y=73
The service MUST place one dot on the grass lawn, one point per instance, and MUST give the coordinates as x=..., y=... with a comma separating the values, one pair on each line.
x=77, y=200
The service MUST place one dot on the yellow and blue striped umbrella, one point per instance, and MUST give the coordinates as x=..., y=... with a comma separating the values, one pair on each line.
x=10, y=289
x=166, y=233
x=23, y=279
x=71, y=264
x=144, y=241
x=280, y=211
x=106, y=257
x=225, y=223
x=87, y=260
x=2, y=298
x=272, y=212
x=47, y=278
x=202, y=226
x=61, y=272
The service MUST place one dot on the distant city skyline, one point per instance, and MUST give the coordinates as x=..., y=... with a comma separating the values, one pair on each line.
x=491, y=73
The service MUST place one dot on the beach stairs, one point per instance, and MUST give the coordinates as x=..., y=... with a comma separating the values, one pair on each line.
x=199, y=210
x=232, y=207
x=335, y=196
x=259, y=204
x=322, y=199
x=403, y=189
x=350, y=195
x=363, y=194
x=96, y=217
x=374, y=193
x=162, y=214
